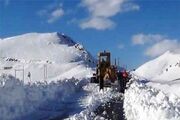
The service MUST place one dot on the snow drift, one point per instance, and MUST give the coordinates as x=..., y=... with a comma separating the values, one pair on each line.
x=143, y=102
x=155, y=90
x=72, y=98
x=20, y=101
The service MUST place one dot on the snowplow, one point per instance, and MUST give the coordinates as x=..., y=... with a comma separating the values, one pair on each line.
x=108, y=75
x=105, y=72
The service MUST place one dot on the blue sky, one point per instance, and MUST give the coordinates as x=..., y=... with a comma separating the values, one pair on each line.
x=133, y=30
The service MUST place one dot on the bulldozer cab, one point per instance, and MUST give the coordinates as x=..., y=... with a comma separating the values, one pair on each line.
x=104, y=58
x=103, y=64
x=105, y=73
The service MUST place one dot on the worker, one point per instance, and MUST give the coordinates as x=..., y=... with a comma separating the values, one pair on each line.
x=122, y=80
x=125, y=74
x=125, y=79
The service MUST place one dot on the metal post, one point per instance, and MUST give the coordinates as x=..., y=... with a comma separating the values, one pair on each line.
x=23, y=73
x=45, y=72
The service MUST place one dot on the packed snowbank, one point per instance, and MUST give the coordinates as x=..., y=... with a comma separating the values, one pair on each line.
x=62, y=98
x=34, y=101
x=155, y=91
x=143, y=102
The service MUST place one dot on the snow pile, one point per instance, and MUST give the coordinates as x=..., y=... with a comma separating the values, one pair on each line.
x=94, y=99
x=155, y=91
x=143, y=102
x=34, y=101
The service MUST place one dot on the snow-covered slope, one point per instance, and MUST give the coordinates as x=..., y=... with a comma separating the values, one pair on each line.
x=155, y=91
x=53, y=47
x=45, y=55
x=166, y=67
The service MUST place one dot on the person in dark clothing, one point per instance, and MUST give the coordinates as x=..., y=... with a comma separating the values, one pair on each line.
x=122, y=80
x=125, y=78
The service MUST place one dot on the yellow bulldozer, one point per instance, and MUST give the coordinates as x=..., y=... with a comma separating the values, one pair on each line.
x=106, y=74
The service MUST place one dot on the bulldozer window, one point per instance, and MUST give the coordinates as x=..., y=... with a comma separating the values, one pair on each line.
x=103, y=59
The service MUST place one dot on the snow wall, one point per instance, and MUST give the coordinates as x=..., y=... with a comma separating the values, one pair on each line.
x=143, y=102
x=19, y=100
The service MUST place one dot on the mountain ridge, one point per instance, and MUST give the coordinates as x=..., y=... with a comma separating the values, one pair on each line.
x=50, y=43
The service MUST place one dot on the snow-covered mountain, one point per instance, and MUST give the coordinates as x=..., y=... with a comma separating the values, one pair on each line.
x=165, y=68
x=45, y=56
x=53, y=47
